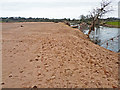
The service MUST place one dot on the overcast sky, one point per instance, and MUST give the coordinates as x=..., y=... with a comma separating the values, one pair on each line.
x=51, y=8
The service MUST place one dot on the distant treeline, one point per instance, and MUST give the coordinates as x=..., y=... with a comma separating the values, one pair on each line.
x=30, y=19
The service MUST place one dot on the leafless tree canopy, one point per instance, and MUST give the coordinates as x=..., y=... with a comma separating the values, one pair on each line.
x=99, y=12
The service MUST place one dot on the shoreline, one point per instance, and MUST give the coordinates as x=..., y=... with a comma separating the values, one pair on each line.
x=111, y=26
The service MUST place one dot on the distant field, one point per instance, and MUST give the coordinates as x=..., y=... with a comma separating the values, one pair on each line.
x=113, y=23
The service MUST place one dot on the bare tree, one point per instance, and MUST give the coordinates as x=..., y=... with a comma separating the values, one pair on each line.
x=97, y=13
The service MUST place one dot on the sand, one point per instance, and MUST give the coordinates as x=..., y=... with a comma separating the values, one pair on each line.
x=53, y=55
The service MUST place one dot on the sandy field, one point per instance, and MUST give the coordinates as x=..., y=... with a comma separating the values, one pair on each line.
x=53, y=55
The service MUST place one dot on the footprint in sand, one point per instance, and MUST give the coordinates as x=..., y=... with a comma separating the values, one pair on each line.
x=2, y=83
x=34, y=86
x=10, y=75
x=36, y=59
x=21, y=71
x=31, y=60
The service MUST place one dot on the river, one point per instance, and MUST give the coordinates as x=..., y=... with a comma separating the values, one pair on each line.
x=103, y=36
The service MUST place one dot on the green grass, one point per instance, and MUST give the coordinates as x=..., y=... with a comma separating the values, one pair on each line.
x=116, y=23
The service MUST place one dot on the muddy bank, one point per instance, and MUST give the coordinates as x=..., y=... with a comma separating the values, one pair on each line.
x=54, y=55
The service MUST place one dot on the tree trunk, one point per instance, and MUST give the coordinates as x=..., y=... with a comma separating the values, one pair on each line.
x=92, y=28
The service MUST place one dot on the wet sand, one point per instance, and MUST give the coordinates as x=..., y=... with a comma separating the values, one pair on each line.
x=53, y=55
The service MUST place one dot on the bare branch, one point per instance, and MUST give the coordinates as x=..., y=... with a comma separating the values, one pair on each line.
x=99, y=12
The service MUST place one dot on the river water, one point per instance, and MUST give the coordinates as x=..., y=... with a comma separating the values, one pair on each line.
x=103, y=36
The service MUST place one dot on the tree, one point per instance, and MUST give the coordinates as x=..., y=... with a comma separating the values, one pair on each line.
x=82, y=18
x=97, y=13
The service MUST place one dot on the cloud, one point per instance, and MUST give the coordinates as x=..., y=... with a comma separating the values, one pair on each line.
x=49, y=1
x=50, y=8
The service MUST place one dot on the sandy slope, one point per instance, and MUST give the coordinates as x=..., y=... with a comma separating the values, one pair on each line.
x=54, y=55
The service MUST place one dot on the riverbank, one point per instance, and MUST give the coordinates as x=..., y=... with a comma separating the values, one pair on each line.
x=54, y=55
x=115, y=24
x=112, y=26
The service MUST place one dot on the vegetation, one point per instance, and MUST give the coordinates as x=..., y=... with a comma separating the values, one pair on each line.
x=97, y=13
x=83, y=18
x=30, y=19
x=113, y=23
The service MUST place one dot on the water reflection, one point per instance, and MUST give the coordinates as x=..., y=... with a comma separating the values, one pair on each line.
x=102, y=37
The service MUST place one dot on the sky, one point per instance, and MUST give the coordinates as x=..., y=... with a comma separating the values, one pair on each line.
x=52, y=8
